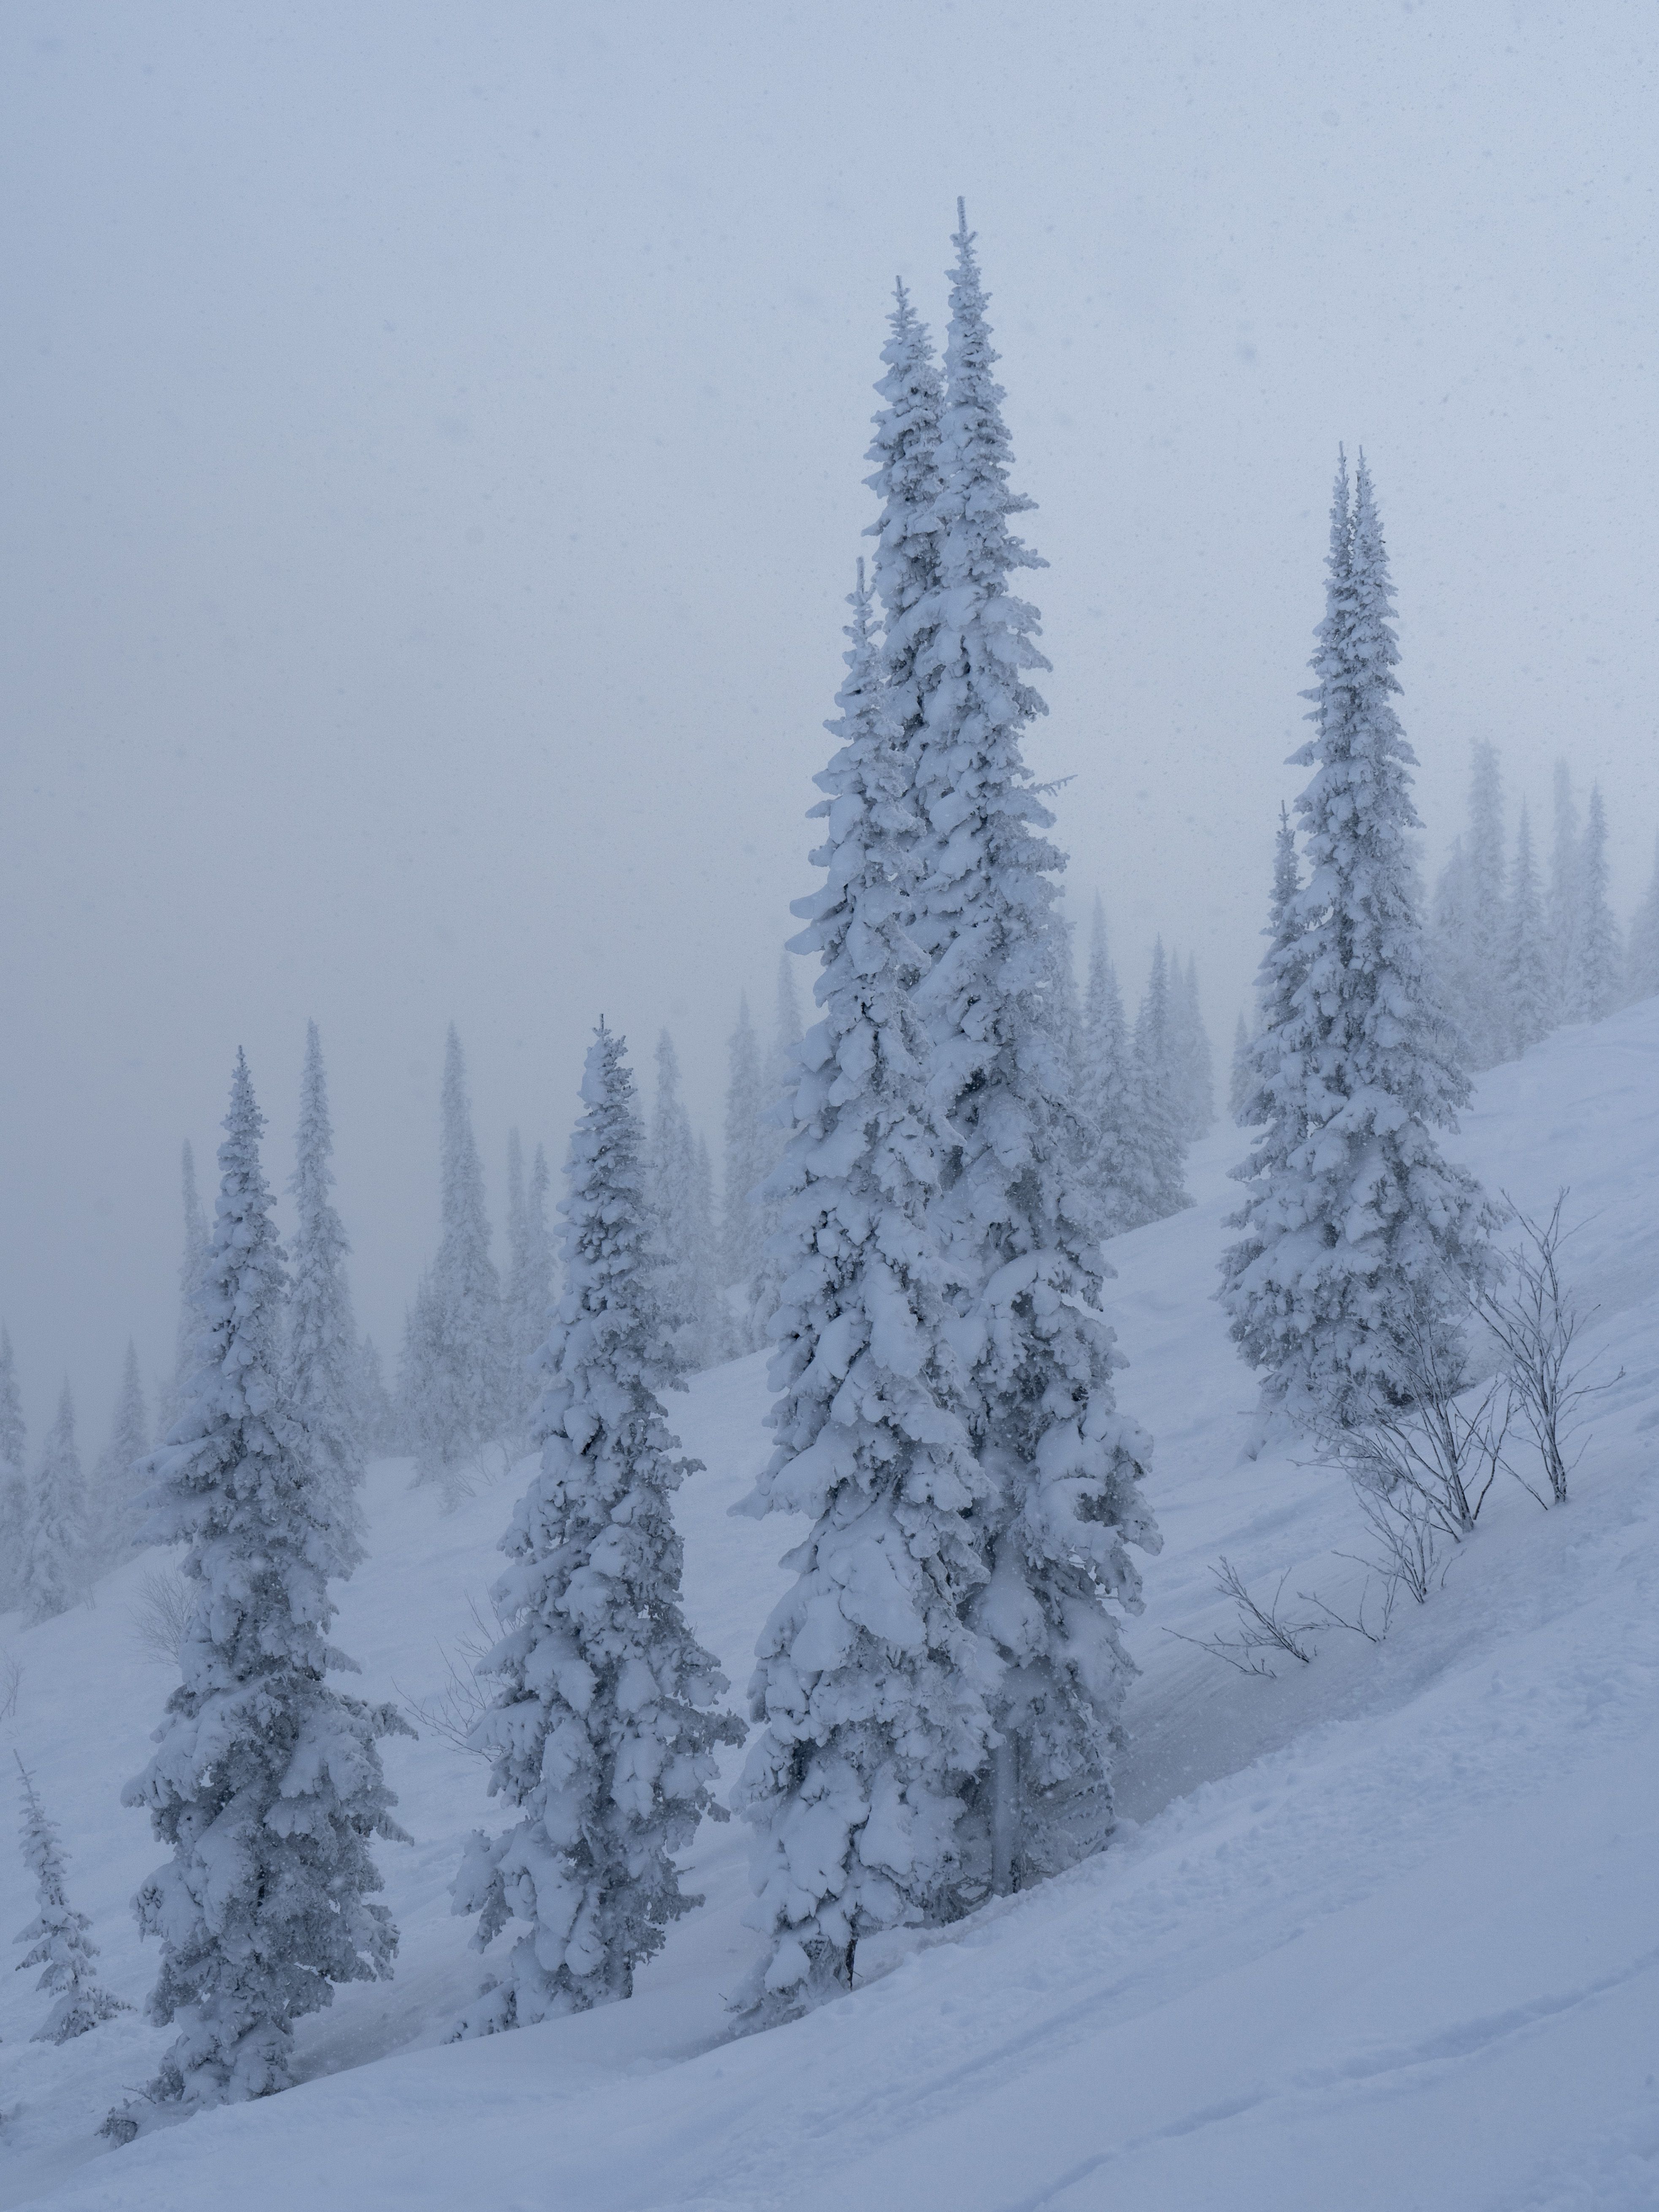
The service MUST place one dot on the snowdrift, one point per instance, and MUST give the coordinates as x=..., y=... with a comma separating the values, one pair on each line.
x=1383, y=1931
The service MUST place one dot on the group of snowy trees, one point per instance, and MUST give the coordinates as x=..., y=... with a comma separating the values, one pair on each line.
x=59, y=1527
x=938, y=1693
x=1516, y=957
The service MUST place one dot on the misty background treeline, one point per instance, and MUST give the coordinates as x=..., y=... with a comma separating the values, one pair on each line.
x=1523, y=940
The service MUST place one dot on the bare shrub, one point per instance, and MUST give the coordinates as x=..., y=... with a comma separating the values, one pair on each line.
x=454, y=1709
x=1434, y=1458
x=1536, y=1319
x=11, y=1681
x=162, y=1614
x=1262, y=1629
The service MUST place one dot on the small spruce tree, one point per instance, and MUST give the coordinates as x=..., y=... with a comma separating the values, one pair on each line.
x=116, y=1516
x=748, y=1160
x=1565, y=904
x=55, y=1530
x=456, y=1365
x=1642, y=950
x=1526, y=979
x=603, y=1732
x=1159, y=1140
x=323, y=1354
x=59, y=1937
x=681, y=1194
x=1600, y=957
x=1109, y=1095
x=529, y=1292
x=266, y=1782
x=13, y=1481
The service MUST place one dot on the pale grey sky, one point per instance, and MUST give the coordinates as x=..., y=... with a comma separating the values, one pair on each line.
x=431, y=450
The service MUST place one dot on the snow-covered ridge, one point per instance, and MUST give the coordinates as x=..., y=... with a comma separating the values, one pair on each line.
x=1382, y=1932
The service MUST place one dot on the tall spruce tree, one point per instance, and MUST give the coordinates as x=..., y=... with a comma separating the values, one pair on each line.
x=59, y=1937
x=114, y=1513
x=1015, y=1217
x=1641, y=952
x=748, y=1160
x=55, y=1547
x=1160, y=1122
x=1358, y=1234
x=266, y=1783
x=872, y=1686
x=1526, y=979
x=14, y=1479
x=1601, y=955
x=603, y=1732
x=322, y=1378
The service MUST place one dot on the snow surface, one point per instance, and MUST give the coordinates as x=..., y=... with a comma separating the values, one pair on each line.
x=1383, y=1931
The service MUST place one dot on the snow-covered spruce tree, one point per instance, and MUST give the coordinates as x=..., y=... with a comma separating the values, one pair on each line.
x=59, y=1937
x=1194, y=1066
x=419, y=1359
x=1600, y=957
x=175, y=1398
x=322, y=1378
x=1526, y=980
x=1563, y=902
x=1482, y=1015
x=1014, y=1215
x=1239, y=1083
x=747, y=1163
x=681, y=1204
x=266, y=1782
x=603, y=1732
x=1158, y=1121
x=55, y=1532
x=1641, y=949
x=1122, y=1183
x=13, y=1481
x=115, y=1516
x=458, y=1401
x=871, y=1685
x=529, y=1294
x=1358, y=1236
x=373, y=1411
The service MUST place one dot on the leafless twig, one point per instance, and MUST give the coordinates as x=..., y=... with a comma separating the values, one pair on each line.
x=1536, y=1319
x=453, y=1711
x=1261, y=1628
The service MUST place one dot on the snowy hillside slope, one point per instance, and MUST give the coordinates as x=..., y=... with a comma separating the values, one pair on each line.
x=1383, y=1931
